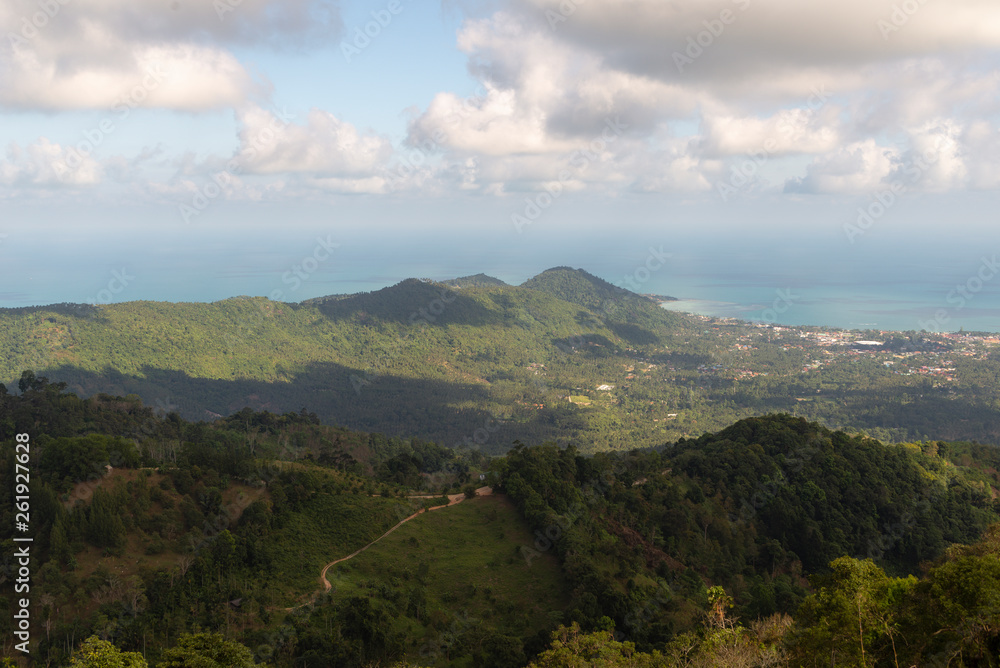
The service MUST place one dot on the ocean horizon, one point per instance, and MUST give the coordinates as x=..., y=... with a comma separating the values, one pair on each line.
x=817, y=308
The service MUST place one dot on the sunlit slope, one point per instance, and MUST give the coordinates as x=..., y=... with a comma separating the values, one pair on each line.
x=460, y=568
x=419, y=357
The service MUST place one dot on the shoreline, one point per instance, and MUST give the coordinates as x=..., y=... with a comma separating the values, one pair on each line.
x=677, y=302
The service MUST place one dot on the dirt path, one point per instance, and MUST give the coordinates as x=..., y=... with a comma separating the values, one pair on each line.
x=452, y=500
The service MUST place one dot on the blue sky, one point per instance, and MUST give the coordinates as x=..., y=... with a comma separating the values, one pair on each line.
x=204, y=149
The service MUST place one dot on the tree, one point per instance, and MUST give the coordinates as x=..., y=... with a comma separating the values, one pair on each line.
x=207, y=650
x=97, y=653
x=501, y=651
x=571, y=649
x=27, y=381
x=957, y=606
x=853, y=618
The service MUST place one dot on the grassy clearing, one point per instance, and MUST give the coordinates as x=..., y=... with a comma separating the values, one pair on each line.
x=455, y=568
x=329, y=526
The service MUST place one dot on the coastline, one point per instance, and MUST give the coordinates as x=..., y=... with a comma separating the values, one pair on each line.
x=810, y=315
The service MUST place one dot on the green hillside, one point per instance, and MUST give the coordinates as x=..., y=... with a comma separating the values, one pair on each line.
x=476, y=281
x=455, y=573
x=582, y=288
x=417, y=358
x=565, y=357
x=635, y=320
x=774, y=538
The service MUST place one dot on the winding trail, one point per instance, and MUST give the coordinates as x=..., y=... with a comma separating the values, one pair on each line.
x=452, y=500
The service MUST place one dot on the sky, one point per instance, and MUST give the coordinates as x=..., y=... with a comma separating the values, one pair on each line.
x=194, y=150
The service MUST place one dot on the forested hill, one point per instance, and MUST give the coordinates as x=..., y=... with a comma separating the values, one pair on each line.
x=753, y=514
x=566, y=356
x=478, y=280
x=414, y=359
x=772, y=542
x=585, y=289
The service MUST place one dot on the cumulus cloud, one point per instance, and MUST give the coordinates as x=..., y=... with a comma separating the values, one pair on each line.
x=48, y=165
x=323, y=145
x=280, y=156
x=183, y=77
x=676, y=171
x=84, y=54
x=603, y=95
x=938, y=156
x=765, y=38
x=860, y=85
x=786, y=132
x=857, y=168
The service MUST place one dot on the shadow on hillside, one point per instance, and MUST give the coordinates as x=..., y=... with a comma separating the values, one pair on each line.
x=339, y=395
x=920, y=416
x=634, y=334
x=594, y=345
x=411, y=302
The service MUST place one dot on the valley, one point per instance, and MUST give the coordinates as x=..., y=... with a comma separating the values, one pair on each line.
x=444, y=362
x=474, y=474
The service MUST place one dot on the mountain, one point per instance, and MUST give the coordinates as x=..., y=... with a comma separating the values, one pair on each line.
x=416, y=358
x=566, y=357
x=476, y=281
x=637, y=319
x=408, y=302
x=580, y=287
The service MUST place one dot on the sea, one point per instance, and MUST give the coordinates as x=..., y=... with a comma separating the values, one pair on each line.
x=935, y=285
x=971, y=305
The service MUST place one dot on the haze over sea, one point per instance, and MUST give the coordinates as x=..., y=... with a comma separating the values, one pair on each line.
x=787, y=295
x=897, y=276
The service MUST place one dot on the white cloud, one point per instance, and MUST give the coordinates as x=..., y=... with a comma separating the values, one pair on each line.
x=937, y=154
x=370, y=185
x=826, y=82
x=788, y=131
x=322, y=146
x=275, y=23
x=48, y=165
x=784, y=76
x=279, y=158
x=87, y=54
x=857, y=168
x=760, y=38
x=183, y=77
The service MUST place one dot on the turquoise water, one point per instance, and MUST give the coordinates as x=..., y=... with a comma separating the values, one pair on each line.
x=929, y=309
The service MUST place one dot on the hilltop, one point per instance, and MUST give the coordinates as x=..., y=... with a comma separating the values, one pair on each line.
x=476, y=281
x=566, y=356
x=580, y=287
x=416, y=358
